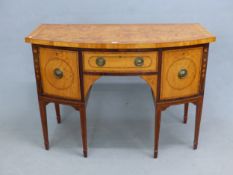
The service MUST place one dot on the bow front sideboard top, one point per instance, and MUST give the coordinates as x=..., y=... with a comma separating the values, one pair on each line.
x=171, y=58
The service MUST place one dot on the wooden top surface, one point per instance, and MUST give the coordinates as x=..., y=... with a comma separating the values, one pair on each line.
x=120, y=36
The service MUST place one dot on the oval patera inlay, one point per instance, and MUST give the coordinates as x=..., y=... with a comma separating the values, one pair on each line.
x=172, y=73
x=68, y=75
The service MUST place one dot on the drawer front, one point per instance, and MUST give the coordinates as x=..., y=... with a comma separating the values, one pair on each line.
x=180, y=74
x=120, y=62
x=59, y=73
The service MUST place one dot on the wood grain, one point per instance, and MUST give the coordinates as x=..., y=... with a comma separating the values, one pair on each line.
x=165, y=48
x=120, y=62
x=120, y=36
x=152, y=82
x=89, y=80
x=69, y=85
x=175, y=60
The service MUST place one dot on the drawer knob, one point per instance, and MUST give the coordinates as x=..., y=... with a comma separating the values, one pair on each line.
x=58, y=73
x=182, y=73
x=100, y=61
x=139, y=61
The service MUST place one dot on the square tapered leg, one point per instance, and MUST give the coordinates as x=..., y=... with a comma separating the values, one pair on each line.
x=186, y=106
x=157, y=130
x=58, y=114
x=44, y=124
x=199, y=105
x=83, y=129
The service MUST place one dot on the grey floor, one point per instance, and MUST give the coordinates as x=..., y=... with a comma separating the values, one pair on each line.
x=120, y=136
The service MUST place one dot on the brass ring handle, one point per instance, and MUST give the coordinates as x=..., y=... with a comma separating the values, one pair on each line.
x=139, y=61
x=182, y=73
x=100, y=61
x=58, y=73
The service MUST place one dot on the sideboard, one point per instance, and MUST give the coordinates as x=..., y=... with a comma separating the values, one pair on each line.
x=171, y=58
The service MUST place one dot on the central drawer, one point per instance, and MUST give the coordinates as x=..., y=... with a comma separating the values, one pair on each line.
x=120, y=62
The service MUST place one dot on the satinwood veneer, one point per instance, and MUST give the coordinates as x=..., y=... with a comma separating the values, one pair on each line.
x=171, y=58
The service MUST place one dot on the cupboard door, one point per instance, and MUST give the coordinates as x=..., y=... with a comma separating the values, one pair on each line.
x=59, y=73
x=180, y=74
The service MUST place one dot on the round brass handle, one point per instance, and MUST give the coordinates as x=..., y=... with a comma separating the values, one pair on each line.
x=139, y=61
x=58, y=73
x=100, y=61
x=182, y=73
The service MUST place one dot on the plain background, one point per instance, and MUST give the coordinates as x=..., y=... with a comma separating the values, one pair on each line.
x=120, y=111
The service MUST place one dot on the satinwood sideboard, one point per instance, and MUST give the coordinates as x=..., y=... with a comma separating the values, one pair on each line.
x=171, y=58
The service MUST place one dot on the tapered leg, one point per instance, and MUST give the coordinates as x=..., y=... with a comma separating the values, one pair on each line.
x=186, y=107
x=157, y=130
x=57, y=108
x=83, y=129
x=197, y=122
x=44, y=123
